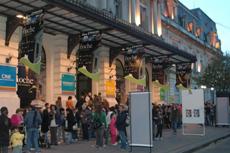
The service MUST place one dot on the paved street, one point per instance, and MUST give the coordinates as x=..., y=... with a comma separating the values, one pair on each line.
x=219, y=147
x=171, y=143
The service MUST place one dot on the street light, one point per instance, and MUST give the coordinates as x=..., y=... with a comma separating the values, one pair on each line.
x=203, y=87
x=212, y=88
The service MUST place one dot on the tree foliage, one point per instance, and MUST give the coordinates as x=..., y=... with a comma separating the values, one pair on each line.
x=217, y=74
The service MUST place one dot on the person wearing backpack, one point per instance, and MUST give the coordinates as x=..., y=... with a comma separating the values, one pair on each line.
x=99, y=124
x=32, y=122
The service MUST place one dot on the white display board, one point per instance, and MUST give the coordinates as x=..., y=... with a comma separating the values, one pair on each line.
x=193, y=106
x=222, y=111
x=193, y=109
x=140, y=119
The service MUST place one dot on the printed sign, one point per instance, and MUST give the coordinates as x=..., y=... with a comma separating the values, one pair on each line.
x=7, y=78
x=68, y=84
x=193, y=106
x=90, y=40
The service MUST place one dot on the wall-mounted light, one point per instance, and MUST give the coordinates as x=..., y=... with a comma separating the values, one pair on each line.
x=212, y=88
x=203, y=87
x=8, y=58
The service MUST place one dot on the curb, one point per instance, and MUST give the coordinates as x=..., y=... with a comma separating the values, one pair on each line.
x=206, y=144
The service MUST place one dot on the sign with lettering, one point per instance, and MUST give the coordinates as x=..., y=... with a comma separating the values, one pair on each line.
x=30, y=49
x=7, y=78
x=68, y=84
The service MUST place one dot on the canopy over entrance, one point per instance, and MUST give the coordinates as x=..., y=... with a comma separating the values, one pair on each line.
x=70, y=17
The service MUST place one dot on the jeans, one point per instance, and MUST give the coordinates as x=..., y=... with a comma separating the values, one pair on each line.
x=17, y=149
x=60, y=134
x=99, y=136
x=123, y=139
x=32, y=138
x=3, y=149
x=69, y=138
x=46, y=140
x=174, y=126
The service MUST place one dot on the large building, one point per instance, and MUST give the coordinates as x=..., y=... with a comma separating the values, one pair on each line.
x=101, y=42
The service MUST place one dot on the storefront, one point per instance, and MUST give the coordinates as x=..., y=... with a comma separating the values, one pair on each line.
x=101, y=50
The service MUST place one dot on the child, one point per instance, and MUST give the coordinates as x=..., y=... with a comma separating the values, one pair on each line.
x=113, y=129
x=16, y=141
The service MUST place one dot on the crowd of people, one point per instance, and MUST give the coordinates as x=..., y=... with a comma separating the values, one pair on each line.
x=170, y=117
x=90, y=118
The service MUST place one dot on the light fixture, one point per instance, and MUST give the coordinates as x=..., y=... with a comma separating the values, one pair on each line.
x=20, y=16
x=203, y=87
x=212, y=88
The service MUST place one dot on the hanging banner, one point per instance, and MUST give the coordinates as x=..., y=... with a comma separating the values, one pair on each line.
x=30, y=49
x=90, y=40
x=133, y=62
x=7, y=78
x=68, y=84
x=110, y=88
x=183, y=72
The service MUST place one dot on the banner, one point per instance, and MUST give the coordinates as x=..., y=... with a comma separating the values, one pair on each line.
x=193, y=106
x=183, y=72
x=68, y=84
x=133, y=63
x=7, y=78
x=110, y=88
x=30, y=49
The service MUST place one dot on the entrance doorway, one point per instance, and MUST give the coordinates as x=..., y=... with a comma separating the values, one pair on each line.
x=120, y=82
x=84, y=85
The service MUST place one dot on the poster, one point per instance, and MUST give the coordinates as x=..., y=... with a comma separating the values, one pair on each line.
x=110, y=88
x=68, y=84
x=140, y=119
x=7, y=78
x=193, y=106
x=222, y=111
x=183, y=74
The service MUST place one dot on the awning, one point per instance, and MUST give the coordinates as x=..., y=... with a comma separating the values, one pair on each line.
x=72, y=18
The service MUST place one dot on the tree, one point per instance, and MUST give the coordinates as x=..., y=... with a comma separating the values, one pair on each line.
x=217, y=74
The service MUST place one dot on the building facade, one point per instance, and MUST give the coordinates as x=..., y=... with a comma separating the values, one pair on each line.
x=170, y=23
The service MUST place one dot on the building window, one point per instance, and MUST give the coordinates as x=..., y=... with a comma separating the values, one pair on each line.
x=190, y=26
x=198, y=32
x=143, y=15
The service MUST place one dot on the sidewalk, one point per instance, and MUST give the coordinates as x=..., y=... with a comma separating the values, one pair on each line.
x=170, y=144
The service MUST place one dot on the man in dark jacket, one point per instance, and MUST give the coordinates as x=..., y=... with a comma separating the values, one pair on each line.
x=121, y=125
x=46, y=124
x=4, y=130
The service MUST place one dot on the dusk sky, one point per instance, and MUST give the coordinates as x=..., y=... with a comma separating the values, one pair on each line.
x=219, y=12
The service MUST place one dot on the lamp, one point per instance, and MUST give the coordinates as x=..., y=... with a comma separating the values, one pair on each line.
x=8, y=58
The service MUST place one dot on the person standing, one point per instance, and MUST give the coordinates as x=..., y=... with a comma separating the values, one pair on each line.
x=46, y=124
x=53, y=124
x=32, y=122
x=100, y=124
x=16, y=141
x=174, y=118
x=121, y=126
x=69, y=103
x=4, y=130
x=113, y=129
x=70, y=121
x=159, y=122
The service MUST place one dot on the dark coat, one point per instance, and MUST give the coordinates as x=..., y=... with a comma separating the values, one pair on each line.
x=70, y=119
x=121, y=121
x=45, y=121
x=4, y=130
